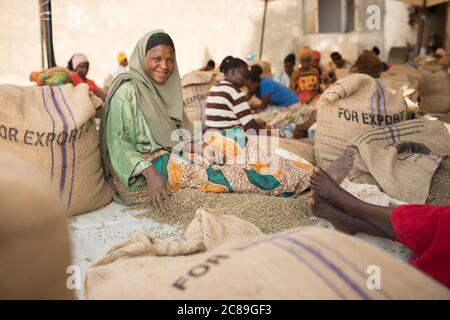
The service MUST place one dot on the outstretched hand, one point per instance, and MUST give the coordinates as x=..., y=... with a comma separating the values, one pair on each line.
x=158, y=189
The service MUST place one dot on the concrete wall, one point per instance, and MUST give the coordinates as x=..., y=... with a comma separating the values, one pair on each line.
x=201, y=29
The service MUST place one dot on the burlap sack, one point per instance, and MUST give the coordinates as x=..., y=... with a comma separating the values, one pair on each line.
x=302, y=149
x=402, y=73
x=34, y=241
x=401, y=158
x=53, y=129
x=434, y=93
x=301, y=264
x=351, y=106
x=195, y=87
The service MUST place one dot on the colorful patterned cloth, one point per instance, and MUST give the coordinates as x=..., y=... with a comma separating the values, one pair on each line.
x=247, y=169
x=55, y=76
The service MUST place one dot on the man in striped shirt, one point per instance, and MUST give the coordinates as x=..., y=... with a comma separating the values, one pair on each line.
x=226, y=105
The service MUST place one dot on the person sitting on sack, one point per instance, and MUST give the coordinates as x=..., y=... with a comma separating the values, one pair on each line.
x=122, y=64
x=284, y=76
x=305, y=81
x=424, y=229
x=367, y=63
x=226, y=105
x=78, y=66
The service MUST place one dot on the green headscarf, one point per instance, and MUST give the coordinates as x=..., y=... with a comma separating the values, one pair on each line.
x=161, y=104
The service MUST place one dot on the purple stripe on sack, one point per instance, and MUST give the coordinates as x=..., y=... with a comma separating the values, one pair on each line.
x=44, y=101
x=384, y=96
x=73, y=145
x=331, y=266
x=393, y=134
x=348, y=262
x=62, y=182
x=371, y=106
x=311, y=267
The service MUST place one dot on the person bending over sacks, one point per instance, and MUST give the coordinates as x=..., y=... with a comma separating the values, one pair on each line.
x=268, y=91
x=226, y=105
x=424, y=229
x=367, y=63
x=78, y=66
x=273, y=93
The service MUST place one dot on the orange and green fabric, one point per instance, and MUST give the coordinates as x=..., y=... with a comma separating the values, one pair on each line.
x=247, y=169
x=55, y=76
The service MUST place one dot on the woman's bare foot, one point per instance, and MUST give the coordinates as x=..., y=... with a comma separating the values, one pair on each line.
x=323, y=185
x=340, y=219
x=341, y=167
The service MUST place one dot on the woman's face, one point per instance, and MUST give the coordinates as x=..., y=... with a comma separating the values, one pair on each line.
x=83, y=69
x=237, y=76
x=160, y=63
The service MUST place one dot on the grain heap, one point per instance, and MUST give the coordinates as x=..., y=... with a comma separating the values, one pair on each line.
x=270, y=214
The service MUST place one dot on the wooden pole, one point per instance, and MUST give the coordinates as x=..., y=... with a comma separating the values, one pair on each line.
x=262, y=30
x=45, y=13
x=422, y=11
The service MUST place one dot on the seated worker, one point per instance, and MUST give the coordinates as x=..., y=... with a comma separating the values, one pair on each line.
x=122, y=64
x=284, y=76
x=210, y=65
x=78, y=66
x=273, y=93
x=338, y=61
x=424, y=229
x=384, y=65
x=226, y=105
x=305, y=81
x=367, y=63
x=268, y=91
x=324, y=76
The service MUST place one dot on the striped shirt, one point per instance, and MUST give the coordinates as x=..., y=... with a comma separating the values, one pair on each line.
x=227, y=107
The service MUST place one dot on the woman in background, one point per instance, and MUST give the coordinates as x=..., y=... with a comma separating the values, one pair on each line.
x=78, y=66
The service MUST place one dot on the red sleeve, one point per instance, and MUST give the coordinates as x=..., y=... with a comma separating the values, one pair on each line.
x=92, y=86
x=76, y=80
x=425, y=229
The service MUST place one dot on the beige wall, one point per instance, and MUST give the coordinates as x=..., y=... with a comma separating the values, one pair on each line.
x=201, y=29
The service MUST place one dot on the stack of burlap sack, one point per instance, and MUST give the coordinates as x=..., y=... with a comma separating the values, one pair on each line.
x=53, y=130
x=195, y=89
x=228, y=258
x=394, y=152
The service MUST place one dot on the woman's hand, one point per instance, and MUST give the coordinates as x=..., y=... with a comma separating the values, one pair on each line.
x=213, y=154
x=158, y=189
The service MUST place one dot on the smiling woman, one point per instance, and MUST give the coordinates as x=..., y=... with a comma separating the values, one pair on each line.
x=143, y=108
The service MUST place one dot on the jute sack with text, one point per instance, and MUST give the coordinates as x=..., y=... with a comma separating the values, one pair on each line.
x=53, y=129
x=300, y=264
x=351, y=106
x=401, y=158
x=195, y=87
x=34, y=240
